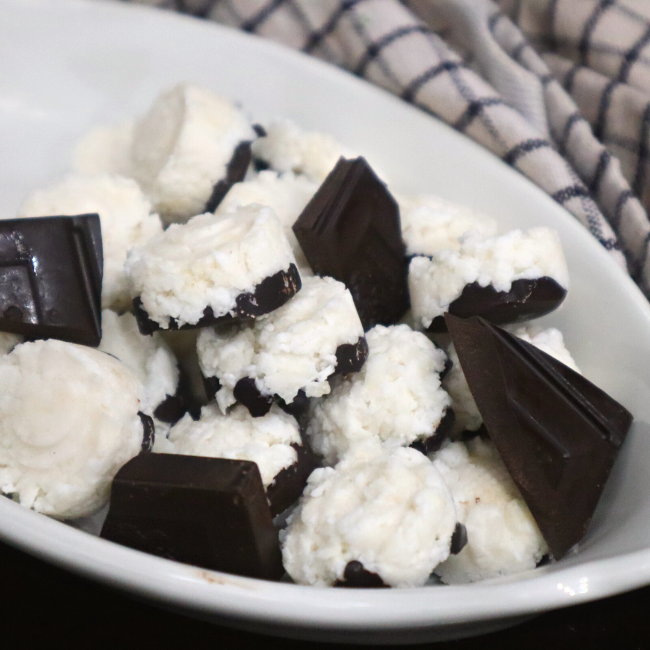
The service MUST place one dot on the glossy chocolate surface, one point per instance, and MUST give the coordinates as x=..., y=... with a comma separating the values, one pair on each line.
x=270, y=294
x=526, y=299
x=51, y=278
x=557, y=433
x=210, y=512
x=350, y=230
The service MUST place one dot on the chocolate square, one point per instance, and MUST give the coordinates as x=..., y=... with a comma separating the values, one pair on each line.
x=351, y=231
x=210, y=512
x=51, y=278
x=557, y=433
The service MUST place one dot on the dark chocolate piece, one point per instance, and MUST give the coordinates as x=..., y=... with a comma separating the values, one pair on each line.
x=149, y=431
x=235, y=172
x=350, y=357
x=526, y=299
x=434, y=441
x=212, y=386
x=260, y=130
x=51, y=278
x=546, y=559
x=350, y=230
x=271, y=293
x=481, y=432
x=290, y=482
x=171, y=409
x=247, y=393
x=458, y=539
x=298, y=408
x=557, y=433
x=210, y=512
x=356, y=576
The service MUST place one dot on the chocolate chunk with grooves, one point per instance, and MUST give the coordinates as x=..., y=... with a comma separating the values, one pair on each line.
x=247, y=393
x=290, y=482
x=350, y=357
x=557, y=433
x=526, y=299
x=351, y=231
x=235, y=172
x=458, y=539
x=51, y=278
x=149, y=431
x=209, y=512
x=356, y=576
x=271, y=293
x=434, y=441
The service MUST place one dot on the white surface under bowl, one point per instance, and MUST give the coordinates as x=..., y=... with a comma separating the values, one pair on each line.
x=69, y=65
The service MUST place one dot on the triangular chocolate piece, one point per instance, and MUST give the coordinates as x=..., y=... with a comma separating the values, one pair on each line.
x=51, y=278
x=556, y=432
x=351, y=231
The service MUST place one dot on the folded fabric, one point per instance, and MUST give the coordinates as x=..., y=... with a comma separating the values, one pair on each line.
x=559, y=89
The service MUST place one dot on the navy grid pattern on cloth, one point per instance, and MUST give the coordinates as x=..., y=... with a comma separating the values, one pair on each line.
x=559, y=89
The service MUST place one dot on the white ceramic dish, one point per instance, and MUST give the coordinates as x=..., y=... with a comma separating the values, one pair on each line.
x=69, y=65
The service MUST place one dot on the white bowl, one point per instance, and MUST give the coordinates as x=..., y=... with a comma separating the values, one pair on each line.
x=69, y=65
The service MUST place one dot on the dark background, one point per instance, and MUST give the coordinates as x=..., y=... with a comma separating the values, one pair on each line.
x=43, y=606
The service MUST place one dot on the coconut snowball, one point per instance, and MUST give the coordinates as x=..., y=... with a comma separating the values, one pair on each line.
x=468, y=417
x=431, y=224
x=286, y=193
x=8, y=342
x=502, y=536
x=396, y=398
x=207, y=262
x=239, y=436
x=125, y=215
x=498, y=261
x=105, y=150
x=289, y=148
x=149, y=357
x=182, y=146
x=292, y=348
x=390, y=511
x=68, y=421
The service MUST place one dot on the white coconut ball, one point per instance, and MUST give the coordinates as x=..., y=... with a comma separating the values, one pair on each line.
x=68, y=422
x=389, y=510
x=502, y=536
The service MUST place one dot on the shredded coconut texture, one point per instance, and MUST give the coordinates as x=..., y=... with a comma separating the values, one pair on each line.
x=125, y=215
x=502, y=535
x=498, y=261
x=396, y=398
x=390, y=511
x=105, y=150
x=468, y=417
x=294, y=347
x=289, y=148
x=68, y=421
x=182, y=146
x=207, y=262
x=287, y=194
x=431, y=224
x=148, y=357
x=266, y=441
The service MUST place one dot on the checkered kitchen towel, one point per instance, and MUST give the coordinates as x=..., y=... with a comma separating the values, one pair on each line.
x=559, y=89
